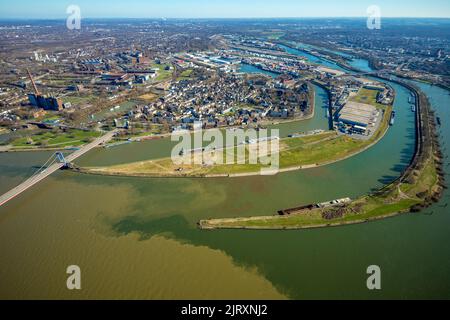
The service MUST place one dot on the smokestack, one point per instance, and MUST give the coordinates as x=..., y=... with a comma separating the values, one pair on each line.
x=36, y=91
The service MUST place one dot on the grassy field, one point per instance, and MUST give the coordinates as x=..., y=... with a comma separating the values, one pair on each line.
x=148, y=97
x=368, y=96
x=52, y=139
x=154, y=129
x=186, y=74
x=332, y=147
x=274, y=35
x=428, y=176
x=78, y=100
x=49, y=117
x=163, y=74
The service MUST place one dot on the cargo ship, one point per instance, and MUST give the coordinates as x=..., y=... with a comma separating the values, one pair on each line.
x=438, y=120
x=413, y=108
x=392, y=118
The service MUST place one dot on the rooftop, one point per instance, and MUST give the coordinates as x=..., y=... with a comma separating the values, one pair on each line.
x=359, y=113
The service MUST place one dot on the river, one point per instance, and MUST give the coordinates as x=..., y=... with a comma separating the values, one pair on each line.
x=137, y=238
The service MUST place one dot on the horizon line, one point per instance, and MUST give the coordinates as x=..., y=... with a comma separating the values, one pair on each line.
x=224, y=18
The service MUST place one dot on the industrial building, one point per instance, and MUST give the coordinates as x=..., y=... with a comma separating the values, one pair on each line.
x=358, y=115
x=46, y=103
x=40, y=101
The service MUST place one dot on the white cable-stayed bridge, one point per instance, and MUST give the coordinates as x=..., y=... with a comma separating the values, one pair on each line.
x=53, y=164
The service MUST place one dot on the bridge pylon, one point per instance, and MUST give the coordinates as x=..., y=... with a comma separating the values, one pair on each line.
x=60, y=157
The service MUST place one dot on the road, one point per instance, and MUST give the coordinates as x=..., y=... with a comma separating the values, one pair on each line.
x=53, y=168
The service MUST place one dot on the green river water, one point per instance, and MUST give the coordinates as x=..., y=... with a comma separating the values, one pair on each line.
x=137, y=237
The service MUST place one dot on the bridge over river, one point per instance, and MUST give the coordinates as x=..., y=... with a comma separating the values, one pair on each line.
x=52, y=165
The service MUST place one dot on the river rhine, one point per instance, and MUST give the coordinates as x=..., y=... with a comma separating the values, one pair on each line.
x=137, y=237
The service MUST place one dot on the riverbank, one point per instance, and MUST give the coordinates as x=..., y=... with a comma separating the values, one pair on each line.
x=143, y=136
x=420, y=185
x=301, y=153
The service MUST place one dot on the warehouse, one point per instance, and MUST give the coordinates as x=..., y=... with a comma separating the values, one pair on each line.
x=358, y=114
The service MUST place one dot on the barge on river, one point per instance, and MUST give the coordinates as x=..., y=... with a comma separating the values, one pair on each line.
x=309, y=207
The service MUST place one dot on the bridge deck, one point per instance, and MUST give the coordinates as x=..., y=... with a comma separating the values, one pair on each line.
x=53, y=168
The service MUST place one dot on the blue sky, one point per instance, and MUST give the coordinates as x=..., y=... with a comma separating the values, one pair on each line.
x=44, y=9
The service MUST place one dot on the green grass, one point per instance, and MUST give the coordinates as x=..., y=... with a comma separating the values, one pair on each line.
x=373, y=208
x=273, y=35
x=276, y=36
x=78, y=99
x=186, y=74
x=303, y=151
x=428, y=176
x=152, y=130
x=318, y=153
x=163, y=74
x=368, y=96
x=55, y=139
x=50, y=117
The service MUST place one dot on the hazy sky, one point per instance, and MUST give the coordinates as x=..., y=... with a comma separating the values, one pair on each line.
x=222, y=9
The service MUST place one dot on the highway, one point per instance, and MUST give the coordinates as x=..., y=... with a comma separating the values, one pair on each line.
x=53, y=168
